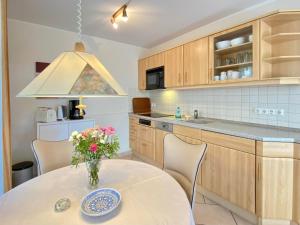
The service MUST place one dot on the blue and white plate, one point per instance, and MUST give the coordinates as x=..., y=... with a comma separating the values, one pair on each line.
x=100, y=202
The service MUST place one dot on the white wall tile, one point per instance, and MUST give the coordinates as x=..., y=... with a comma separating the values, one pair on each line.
x=237, y=104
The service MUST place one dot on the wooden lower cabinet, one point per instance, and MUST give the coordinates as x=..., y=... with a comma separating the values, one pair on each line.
x=146, y=141
x=296, y=196
x=230, y=174
x=274, y=188
x=133, y=133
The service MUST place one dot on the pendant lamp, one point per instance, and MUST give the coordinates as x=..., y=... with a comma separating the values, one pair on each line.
x=74, y=74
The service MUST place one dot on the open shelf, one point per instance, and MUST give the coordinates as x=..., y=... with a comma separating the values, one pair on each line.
x=244, y=46
x=282, y=37
x=231, y=80
x=233, y=65
x=276, y=59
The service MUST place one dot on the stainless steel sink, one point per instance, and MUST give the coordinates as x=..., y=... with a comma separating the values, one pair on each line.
x=200, y=121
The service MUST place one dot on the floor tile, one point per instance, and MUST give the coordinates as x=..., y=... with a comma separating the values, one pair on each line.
x=208, y=201
x=241, y=221
x=199, y=198
x=212, y=215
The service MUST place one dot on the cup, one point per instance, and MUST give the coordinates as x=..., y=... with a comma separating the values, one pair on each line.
x=229, y=74
x=250, y=38
x=223, y=76
x=235, y=75
x=217, y=77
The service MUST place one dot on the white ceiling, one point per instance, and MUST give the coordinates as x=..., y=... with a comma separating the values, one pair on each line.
x=151, y=22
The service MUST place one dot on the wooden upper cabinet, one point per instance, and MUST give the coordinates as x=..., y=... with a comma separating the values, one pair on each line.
x=155, y=61
x=239, y=57
x=142, y=74
x=195, y=56
x=174, y=67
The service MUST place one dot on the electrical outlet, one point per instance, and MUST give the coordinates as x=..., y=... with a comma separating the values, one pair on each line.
x=272, y=111
x=280, y=112
x=258, y=111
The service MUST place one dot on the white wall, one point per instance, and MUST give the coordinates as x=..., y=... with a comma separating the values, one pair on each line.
x=29, y=43
x=227, y=22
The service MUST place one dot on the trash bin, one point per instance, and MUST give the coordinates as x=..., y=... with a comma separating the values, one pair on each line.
x=21, y=172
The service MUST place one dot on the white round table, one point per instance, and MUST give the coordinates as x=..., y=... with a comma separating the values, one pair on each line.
x=149, y=197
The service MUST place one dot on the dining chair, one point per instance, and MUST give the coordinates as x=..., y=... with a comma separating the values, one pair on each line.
x=182, y=161
x=51, y=155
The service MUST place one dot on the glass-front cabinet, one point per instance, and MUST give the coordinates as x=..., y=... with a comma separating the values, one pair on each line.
x=234, y=54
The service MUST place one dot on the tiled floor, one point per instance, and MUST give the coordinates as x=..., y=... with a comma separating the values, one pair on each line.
x=207, y=212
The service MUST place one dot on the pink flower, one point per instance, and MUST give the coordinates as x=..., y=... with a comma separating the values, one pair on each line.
x=108, y=130
x=93, y=147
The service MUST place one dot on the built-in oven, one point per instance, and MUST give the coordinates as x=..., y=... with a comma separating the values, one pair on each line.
x=155, y=78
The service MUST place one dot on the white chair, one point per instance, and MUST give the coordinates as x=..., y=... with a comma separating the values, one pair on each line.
x=182, y=161
x=51, y=155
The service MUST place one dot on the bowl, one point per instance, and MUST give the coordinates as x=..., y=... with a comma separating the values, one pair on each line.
x=235, y=75
x=223, y=44
x=237, y=41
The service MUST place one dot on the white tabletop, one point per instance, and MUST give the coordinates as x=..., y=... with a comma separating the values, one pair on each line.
x=149, y=197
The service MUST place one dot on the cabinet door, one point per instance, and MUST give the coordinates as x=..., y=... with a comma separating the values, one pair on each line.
x=146, y=141
x=196, y=62
x=174, y=67
x=296, y=198
x=231, y=175
x=274, y=188
x=142, y=74
x=159, y=147
x=155, y=61
x=133, y=134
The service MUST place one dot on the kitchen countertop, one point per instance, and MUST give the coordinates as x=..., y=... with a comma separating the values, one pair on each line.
x=240, y=129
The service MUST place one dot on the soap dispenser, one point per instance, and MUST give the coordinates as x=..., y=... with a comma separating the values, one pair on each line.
x=178, y=113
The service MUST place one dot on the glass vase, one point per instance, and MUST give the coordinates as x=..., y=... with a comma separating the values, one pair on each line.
x=93, y=167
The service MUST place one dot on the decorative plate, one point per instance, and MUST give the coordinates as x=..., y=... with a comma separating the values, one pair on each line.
x=100, y=202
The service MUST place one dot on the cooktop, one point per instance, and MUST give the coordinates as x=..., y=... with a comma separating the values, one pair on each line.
x=154, y=115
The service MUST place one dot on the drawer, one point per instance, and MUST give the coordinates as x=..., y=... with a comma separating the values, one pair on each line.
x=146, y=149
x=80, y=126
x=145, y=133
x=53, y=132
x=187, y=131
x=133, y=120
x=233, y=142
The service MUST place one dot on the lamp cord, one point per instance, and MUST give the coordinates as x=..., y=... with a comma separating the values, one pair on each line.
x=79, y=19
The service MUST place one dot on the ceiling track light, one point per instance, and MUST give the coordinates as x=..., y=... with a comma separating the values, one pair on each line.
x=121, y=13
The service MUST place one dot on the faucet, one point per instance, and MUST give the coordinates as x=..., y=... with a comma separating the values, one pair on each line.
x=196, y=114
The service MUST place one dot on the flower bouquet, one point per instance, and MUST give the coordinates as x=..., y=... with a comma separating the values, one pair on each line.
x=90, y=146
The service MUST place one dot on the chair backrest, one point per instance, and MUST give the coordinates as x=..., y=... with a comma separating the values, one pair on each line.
x=182, y=161
x=51, y=155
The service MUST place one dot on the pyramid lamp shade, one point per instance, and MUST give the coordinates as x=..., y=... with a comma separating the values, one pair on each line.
x=74, y=74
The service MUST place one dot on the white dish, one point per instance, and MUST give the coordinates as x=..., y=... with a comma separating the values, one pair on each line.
x=100, y=202
x=237, y=41
x=250, y=38
x=235, y=75
x=223, y=44
x=217, y=77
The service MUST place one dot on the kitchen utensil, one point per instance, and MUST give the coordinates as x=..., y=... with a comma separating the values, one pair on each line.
x=250, y=38
x=60, y=115
x=223, y=44
x=217, y=77
x=237, y=41
x=235, y=75
x=46, y=115
x=229, y=74
x=223, y=76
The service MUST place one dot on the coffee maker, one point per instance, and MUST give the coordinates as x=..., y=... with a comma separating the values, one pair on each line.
x=74, y=113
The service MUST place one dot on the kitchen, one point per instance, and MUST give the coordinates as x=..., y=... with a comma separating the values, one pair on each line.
x=221, y=79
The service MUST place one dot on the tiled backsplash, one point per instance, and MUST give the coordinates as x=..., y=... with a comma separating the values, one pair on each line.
x=237, y=104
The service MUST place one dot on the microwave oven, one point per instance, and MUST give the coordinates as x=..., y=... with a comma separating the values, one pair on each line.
x=155, y=78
